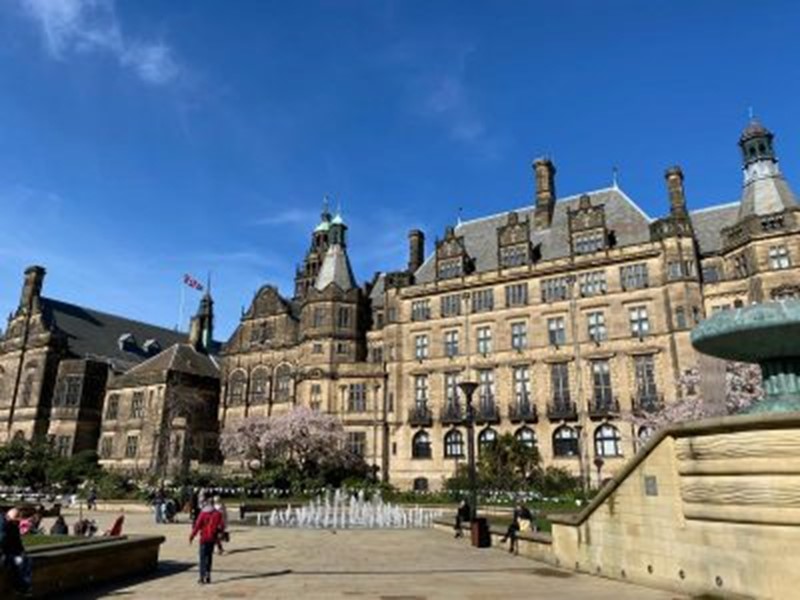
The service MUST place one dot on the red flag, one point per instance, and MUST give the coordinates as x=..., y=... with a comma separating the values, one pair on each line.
x=192, y=282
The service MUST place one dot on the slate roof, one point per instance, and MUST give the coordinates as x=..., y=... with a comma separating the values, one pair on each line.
x=708, y=224
x=335, y=269
x=181, y=358
x=628, y=222
x=376, y=293
x=95, y=334
x=765, y=195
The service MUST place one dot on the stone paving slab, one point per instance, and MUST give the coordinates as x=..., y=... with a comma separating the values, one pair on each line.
x=357, y=565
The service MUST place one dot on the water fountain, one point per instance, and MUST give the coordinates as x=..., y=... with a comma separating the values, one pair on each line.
x=342, y=510
x=767, y=334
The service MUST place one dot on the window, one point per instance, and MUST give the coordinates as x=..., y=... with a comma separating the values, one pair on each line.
x=486, y=439
x=177, y=445
x=517, y=294
x=131, y=446
x=597, y=326
x=420, y=310
x=453, y=444
x=357, y=397
x=640, y=326
x=645, y=433
x=137, y=405
x=556, y=333
x=421, y=391
x=357, y=443
x=741, y=266
x=710, y=274
x=451, y=388
x=483, y=300
x=451, y=343
x=559, y=381
x=420, y=347
x=565, y=442
x=72, y=390
x=258, y=387
x=607, y=441
x=526, y=436
x=343, y=317
x=680, y=318
x=113, y=407
x=377, y=354
x=779, y=257
x=342, y=347
x=689, y=268
x=601, y=383
x=519, y=335
x=451, y=305
x=484, y=340
x=593, y=283
x=585, y=243
x=27, y=390
x=555, y=289
x=675, y=269
x=316, y=348
x=646, y=390
x=421, y=445
x=106, y=446
x=316, y=396
x=634, y=276
x=63, y=445
x=486, y=388
x=514, y=256
x=236, y=389
x=522, y=386
x=283, y=383
x=450, y=268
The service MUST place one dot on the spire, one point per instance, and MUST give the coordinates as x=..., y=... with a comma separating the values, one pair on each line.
x=336, y=270
x=765, y=189
x=201, y=328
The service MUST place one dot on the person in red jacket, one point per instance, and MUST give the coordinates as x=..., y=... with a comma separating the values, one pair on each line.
x=209, y=526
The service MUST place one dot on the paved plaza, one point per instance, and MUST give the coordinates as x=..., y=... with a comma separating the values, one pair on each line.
x=382, y=565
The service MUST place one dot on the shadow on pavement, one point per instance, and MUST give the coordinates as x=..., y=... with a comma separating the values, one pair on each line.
x=249, y=575
x=166, y=568
x=249, y=549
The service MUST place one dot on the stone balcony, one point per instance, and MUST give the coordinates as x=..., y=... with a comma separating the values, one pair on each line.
x=564, y=410
x=486, y=412
x=523, y=412
x=452, y=414
x=647, y=404
x=602, y=408
x=420, y=416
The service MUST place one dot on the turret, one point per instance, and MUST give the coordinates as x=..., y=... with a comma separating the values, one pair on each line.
x=201, y=327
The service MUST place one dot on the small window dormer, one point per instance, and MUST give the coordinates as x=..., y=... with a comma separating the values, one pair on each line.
x=126, y=342
x=587, y=227
x=513, y=242
x=151, y=347
x=452, y=259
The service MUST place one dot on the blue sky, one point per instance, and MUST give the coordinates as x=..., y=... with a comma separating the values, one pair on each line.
x=142, y=139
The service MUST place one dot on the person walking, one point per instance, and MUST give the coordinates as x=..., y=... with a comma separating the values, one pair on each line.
x=15, y=558
x=91, y=499
x=224, y=536
x=158, y=503
x=209, y=526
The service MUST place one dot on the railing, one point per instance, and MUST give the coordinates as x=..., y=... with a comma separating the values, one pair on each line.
x=563, y=410
x=648, y=404
x=523, y=412
x=420, y=416
x=603, y=407
x=486, y=412
x=452, y=414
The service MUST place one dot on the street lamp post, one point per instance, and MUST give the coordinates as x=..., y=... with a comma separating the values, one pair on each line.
x=469, y=387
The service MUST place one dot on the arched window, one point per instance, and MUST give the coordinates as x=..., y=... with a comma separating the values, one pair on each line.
x=236, y=386
x=258, y=386
x=607, y=441
x=644, y=434
x=421, y=445
x=526, y=436
x=453, y=444
x=565, y=442
x=27, y=390
x=421, y=484
x=283, y=383
x=486, y=438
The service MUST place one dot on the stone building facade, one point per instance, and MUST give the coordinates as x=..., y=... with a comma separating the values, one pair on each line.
x=570, y=314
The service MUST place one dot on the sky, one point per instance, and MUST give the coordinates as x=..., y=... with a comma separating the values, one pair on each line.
x=141, y=140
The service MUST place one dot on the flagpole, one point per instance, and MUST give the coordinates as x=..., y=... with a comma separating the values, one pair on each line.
x=180, y=307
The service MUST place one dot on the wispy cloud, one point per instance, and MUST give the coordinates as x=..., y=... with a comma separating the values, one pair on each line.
x=72, y=27
x=289, y=216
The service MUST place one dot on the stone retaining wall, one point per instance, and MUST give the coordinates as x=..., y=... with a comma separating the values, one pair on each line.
x=537, y=546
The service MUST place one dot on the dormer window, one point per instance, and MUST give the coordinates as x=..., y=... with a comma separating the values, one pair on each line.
x=152, y=347
x=513, y=242
x=586, y=243
x=587, y=227
x=126, y=342
x=451, y=256
x=450, y=268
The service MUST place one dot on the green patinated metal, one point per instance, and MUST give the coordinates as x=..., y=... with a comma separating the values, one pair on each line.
x=767, y=334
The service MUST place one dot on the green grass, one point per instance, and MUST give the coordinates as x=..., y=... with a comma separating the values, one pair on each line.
x=39, y=540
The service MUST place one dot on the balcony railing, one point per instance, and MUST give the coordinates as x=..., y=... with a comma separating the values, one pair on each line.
x=648, y=404
x=564, y=410
x=420, y=416
x=600, y=408
x=486, y=412
x=523, y=411
x=452, y=414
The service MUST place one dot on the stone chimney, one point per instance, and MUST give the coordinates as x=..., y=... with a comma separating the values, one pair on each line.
x=416, y=249
x=545, y=173
x=677, y=197
x=201, y=326
x=31, y=289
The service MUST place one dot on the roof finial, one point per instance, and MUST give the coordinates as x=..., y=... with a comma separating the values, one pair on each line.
x=208, y=283
x=325, y=206
x=339, y=207
x=458, y=218
x=750, y=113
x=615, y=176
